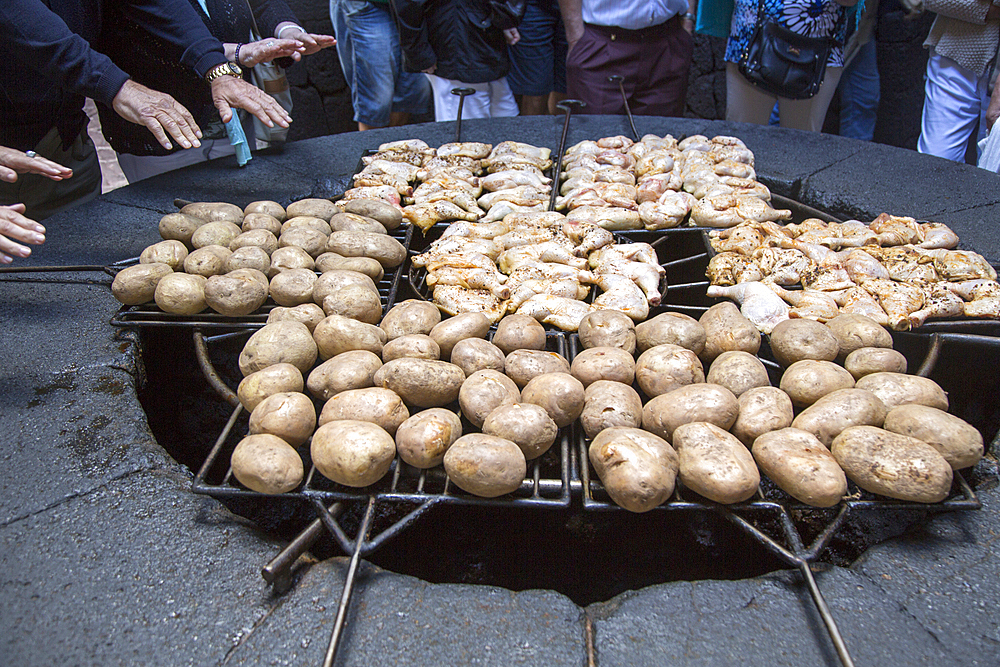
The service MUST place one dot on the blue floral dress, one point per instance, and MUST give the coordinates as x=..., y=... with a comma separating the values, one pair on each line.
x=813, y=18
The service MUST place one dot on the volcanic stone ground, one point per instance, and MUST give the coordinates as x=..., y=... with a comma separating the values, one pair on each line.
x=109, y=559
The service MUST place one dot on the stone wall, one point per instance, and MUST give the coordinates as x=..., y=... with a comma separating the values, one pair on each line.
x=323, y=103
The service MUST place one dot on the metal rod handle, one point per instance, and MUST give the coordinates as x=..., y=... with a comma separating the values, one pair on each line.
x=824, y=612
x=278, y=569
x=617, y=78
x=567, y=106
x=462, y=93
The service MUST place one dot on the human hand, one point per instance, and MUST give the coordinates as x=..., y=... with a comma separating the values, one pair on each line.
x=429, y=70
x=512, y=36
x=266, y=50
x=159, y=112
x=993, y=110
x=311, y=43
x=14, y=162
x=14, y=225
x=230, y=91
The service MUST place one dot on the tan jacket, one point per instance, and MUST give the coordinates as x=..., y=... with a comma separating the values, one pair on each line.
x=960, y=32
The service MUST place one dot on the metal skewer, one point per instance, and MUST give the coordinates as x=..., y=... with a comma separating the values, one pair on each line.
x=567, y=106
x=462, y=94
x=617, y=78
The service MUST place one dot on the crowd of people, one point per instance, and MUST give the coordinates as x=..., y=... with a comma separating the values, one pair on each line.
x=171, y=78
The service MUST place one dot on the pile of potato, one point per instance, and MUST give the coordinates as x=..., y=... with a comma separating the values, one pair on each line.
x=231, y=260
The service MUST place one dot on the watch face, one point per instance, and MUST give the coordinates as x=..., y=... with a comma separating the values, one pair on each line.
x=235, y=69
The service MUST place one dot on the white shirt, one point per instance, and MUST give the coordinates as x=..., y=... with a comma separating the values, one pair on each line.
x=631, y=14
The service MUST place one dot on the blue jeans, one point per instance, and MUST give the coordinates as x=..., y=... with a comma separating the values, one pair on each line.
x=538, y=60
x=371, y=58
x=859, y=94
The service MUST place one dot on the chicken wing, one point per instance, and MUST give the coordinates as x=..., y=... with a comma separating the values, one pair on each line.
x=757, y=303
x=556, y=310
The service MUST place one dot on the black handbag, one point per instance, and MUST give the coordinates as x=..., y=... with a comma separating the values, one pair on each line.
x=784, y=63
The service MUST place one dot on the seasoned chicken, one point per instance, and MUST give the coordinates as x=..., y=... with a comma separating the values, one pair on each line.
x=416, y=159
x=898, y=300
x=655, y=162
x=562, y=287
x=454, y=300
x=782, y=266
x=550, y=251
x=807, y=303
x=861, y=266
x=471, y=149
x=730, y=268
x=518, y=148
x=504, y=180
x=939, y=303
x=906, y=263
x=386, y=193
x=523, y=195
x=635, y=262
x=829, y=273
x=477, y=230
x=507, y=161
x=937, y=235
x=858, y=301
x=586, y=236
x=428, y=214
x=533, y=269
x=851, y=234
x=461, y=162
x=457, y=197
x=618, y=142
x=600, y=194
x=501, y=210
x=729, y=167
x=959, y=265
x=457, y=244
x=534, y=219
x=525, y=236
x=896, y=230
x=406, y=146
x=468, y=259
x=449, y=172
x=696, y=142
x=757, y=303
x=653, y=188
x=401, y=170
x=621, y=293
x=982, y=297
x=733, y=153
x=730, y=210
x=744, y=239
x=612, y=218
x=556, y=310
x=369, y=180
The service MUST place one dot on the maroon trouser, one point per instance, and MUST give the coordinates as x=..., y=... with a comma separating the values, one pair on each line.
x=654, y=63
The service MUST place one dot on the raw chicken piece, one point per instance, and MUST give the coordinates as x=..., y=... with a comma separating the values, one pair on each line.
x=466, y=260
x=959, y=265
x=656, y=215
x=938, y=235
x=795, y=230
x=783, y=266
x=618, y=142
x=858, y=301
x=447, y=181
x=586, y=147
x=386, y=193
x=829, y=274
x=525, y=236
x=463, y=199
x=612, y=218
x=471, y=278
x=730, y=210
x=757, y=303
x=550, y=251
x=654, y=162
x=532, y=269
x=730, y=268
x=808, y=304
x=897, y=299
x=861, y=266
x=501, y=210
x=534, y=219
x=620, y=293
x=636, y=261
x=896, y=230
x=370, y=180
x=906, y=263
x=556, y=310
x=416, y=159
x=427, y=215
x=496, y=163
x=600, y=194
x=939, y=303
x=471, y=149
x=458, y=244
x=586, y=236
x=982, y=296
x=565, y=287
x=477, y=230
x=744, y=239
x=653, y=188
x=453, y=162
x=407, y=146
x=696, y=142
x=734, y=153
x=438, y=171
x=518, y=148
x=403, y=170
x=504, y=180
x=523, y=195
x=453, y=300
x=851, y=234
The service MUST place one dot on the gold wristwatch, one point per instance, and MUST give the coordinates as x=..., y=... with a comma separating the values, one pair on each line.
x=226, y=68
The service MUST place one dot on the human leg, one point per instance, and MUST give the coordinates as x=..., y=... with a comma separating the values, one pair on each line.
x=338, y=17
x=660, y=74
x=502, y=101
x=859, y=94
x=533, y=59
x=746, y=103
x=587, y=69
x=446, y=104
x=809, y=114
x=952, y=107
x=373, y=35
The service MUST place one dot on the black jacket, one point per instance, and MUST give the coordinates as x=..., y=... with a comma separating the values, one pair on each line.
x=459, y=37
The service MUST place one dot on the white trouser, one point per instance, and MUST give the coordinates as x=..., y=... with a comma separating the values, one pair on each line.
x=745, y=103
x=955, y=99
x=492, y=99
x=139, y=167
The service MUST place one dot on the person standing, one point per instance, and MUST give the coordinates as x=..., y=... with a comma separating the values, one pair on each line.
x=383, y=94
x=647, y=42
x=538, y=61
x=963, y=46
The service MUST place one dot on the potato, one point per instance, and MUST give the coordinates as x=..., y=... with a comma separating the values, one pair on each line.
x=484, y=391
x=607, y=328
x=416, y=346
x=857, y=331
x=215, y=233
x=893, y=465
x=289, y=415
x=250, y=274
x=523, y=365
x=331, y=281
x=179, y=227
x=248, y=257
x=262, y=221
x=485, y=465
x=267, y=464
x=762, y=410
x=637, y=468
x=134, y=285
x=293, y=287
x=352, y=222
x=867, y=360
x=354, y=301
x=388, y=251
x=425, y=383
x=234, y=296
x=808, y=380
x=459, y=327
x=526, y=425
x=738, y=372
x=714, y=464
x=308, y=313
x=476, y=354
x=797, y=339
x=181, y=294
x=330, y=261
x=561, y=394
x=608, y=404
x=259, y=238
x=369, y=404
x=266, y=207
x=673, y=328
x=290, y=257
x=666, y=367
x=275, y=379
x=352, y=453
x=692, y=403
x=214, y=211
x=354, y=369
x=801, y=466
x=276, y=343
x=336, y=334
x=412, y=316
x=310, y=240
x=308, y=222
x=423, y=439
x=519, y=332
x=317, y=208
x=958, y=441
x=387, y=214
x=171, y=253
x=726, y=329
x=207, y=261
x=831, y=414
x=896, y=389
x=603, y=363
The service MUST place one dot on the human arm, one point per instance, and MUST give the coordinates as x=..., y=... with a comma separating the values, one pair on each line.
x=572, y=16
x=310, y=42
x=971, y=11
x=511, y=36
x=13, y=225
x=993, y=110
x=14, y=162
x=689, y=19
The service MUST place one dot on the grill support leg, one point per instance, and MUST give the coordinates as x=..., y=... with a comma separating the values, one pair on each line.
x=345, y=598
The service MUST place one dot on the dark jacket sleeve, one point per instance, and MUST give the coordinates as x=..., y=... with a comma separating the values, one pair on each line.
x=178, y=23
x=413, y=35
x=35, y=39
x=269, y=13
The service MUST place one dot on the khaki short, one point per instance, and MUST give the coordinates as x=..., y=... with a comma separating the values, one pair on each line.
x=44, y=197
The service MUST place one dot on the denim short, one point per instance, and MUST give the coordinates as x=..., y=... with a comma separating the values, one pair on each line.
x=538, y=60
x=379, y=85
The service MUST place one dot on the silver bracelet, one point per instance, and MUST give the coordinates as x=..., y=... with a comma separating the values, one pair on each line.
x=687, y=16
x=294, y=25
